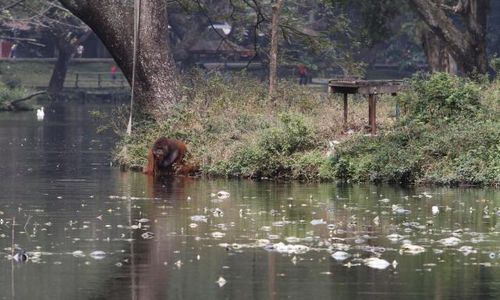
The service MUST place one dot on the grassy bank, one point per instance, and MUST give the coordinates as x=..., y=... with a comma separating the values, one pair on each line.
x=233, y=129
x=448, y=133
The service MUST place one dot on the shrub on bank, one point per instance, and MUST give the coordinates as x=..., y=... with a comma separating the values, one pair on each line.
x=232, y=128
x=8, y=94
x=449, y=134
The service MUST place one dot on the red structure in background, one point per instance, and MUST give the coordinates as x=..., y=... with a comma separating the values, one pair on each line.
x=5, y=48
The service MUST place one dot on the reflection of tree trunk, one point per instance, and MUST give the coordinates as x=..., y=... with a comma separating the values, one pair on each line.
x=273, y=55
x=56, y=83
x=157, y=85
x=467, y=43
x=438, y=57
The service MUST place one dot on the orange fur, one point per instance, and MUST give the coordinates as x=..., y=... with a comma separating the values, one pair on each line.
x=165, y=156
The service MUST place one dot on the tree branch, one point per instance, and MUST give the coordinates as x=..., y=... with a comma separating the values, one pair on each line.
x=9, y=6
x=441, y=25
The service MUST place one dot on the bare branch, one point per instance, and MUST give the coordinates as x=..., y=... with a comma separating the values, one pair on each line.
x=9, y=6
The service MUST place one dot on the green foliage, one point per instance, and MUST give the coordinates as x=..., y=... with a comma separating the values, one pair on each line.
x=312, y=166
x=9, y=94
x=450, y=135
x=271, y=154
x=495, y=64
x=233, y=129
x=441, y=97
x=11, y=81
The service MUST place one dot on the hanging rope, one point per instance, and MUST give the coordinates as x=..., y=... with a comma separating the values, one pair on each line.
x=137, y=14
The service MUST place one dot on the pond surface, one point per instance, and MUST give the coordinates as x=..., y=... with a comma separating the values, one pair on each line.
x=94, y=232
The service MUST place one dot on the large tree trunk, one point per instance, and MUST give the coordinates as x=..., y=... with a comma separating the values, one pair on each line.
x=156, y=85
x=439, y=58
x=273, y=53
x=56, y=83
x=467, y=46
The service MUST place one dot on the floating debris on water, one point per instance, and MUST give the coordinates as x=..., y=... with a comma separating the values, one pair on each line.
x=466, y=250
x=450, y=242
x=412, y=249
x=341, y=255
x=20, y=256
x=221, y=281
x=394, y=237
x=217, y=212
x=288, y=249
x=178, y=264
x=435, y=210
x=376, y=263
x=78, y=253
x=199, y=218
x=292, y=239
x=318, y=222
x=399, y=210
x=218, y=234
x=223, y=195
x=98, y=254
x=147, y=235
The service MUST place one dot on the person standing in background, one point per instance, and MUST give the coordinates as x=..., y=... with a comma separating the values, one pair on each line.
x=302, y=74
x=79, y=51
x=114, y=69
x=13, y=50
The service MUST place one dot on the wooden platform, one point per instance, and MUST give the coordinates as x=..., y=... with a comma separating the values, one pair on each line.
x=372, y=88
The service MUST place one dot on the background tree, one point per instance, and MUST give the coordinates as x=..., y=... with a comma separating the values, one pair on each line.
x=52, y=24
x=452, y=33
x=464, y=41
x=273, y=52
x=157, y=86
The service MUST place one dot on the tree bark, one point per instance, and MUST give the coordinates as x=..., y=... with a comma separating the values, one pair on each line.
x=438, y=57
x=56, y=83
x=273, y=53
x=466, y=46
x=156, y=85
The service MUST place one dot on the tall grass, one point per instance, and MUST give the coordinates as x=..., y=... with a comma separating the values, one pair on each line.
x=232, y=128
x=449, y=132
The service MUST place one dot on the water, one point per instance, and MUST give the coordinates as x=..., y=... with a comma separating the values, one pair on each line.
x=94, y=232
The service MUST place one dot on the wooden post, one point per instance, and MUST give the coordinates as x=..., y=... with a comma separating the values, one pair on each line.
x=76, y=80
x=345, y=111
x=372, y=113
x=99, y=80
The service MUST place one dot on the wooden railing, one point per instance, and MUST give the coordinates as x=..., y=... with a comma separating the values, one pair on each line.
x=95, y=80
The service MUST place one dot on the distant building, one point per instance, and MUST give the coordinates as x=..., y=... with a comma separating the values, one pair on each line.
x=214, y=46
x=5, y=48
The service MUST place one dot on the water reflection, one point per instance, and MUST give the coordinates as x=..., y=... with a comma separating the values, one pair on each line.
x=93, y=232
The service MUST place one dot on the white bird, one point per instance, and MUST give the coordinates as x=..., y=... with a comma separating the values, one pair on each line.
x=40, y=114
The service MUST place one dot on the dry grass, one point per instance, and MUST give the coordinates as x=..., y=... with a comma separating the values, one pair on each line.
x=220, y=117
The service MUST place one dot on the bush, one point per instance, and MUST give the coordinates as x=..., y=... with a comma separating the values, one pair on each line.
x=9, y=94
x=461, y=150
x=12, y=82
x=449, y=133
x=442, y=97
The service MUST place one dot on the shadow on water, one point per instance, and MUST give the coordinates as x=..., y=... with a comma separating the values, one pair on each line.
x=93, y=232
